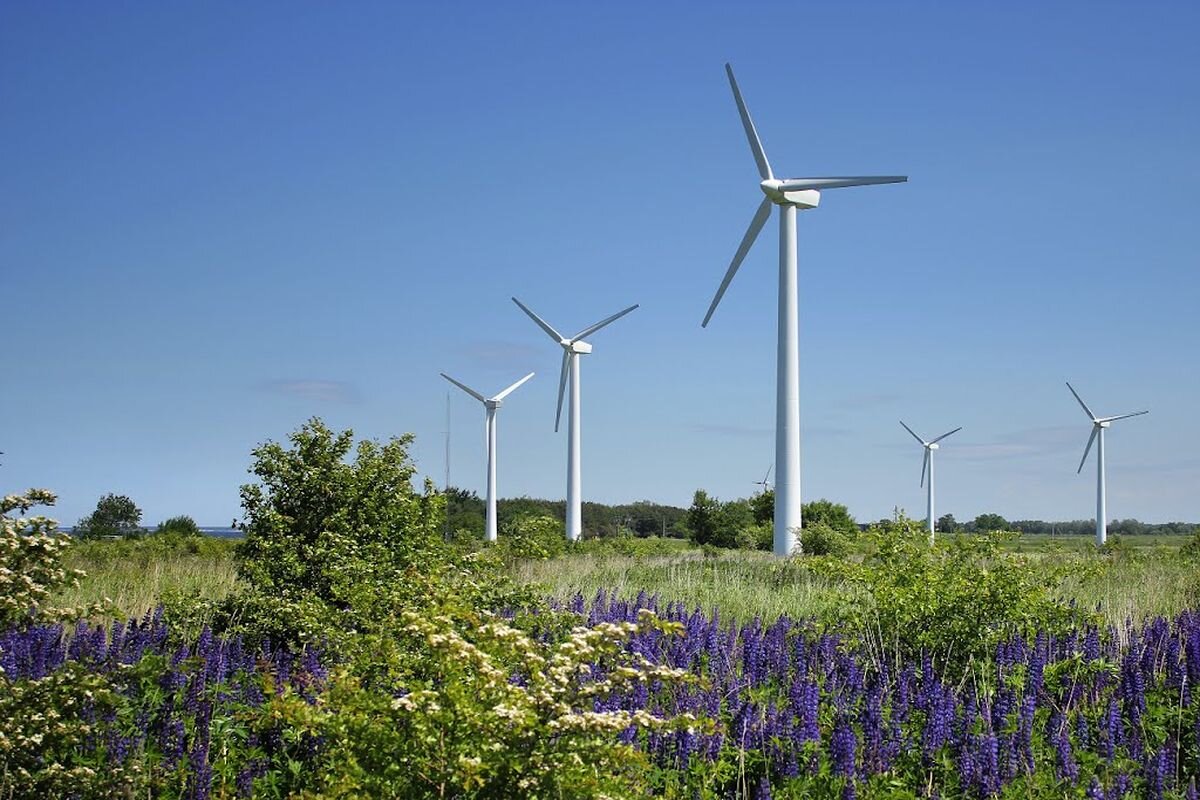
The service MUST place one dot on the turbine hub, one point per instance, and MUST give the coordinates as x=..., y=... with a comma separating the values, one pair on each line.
x=802, y=199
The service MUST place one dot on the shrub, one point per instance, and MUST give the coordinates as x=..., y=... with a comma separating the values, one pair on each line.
x=489, y=711
x=534, y=536
x=760, y=536
x=820, y=539
x=31, y=567
x=181, y=525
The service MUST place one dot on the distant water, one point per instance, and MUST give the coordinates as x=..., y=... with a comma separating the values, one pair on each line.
x=224, y=533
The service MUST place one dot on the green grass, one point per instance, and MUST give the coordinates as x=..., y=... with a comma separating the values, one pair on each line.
x=135, y=575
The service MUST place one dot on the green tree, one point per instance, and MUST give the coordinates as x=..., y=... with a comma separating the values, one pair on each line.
x=946, y=524
x=324, y=530
x=986, y=523
x=835, y=515
x=115, y=515
x=763, y=506
x=702, y=518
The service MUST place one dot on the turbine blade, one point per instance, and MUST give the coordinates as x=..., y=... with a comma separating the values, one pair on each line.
x=553, y=334
x=756, y=225
x=944, y=435
x=1088, y=449
x=509, y=390
x=588, y=331
x=1086, y=410
x=1123, y=416
x=465, y=388
x=798, y=184
x=562, y=384
x=767, y=477
x=924, y=464
x=910, y=430
x=760, y=155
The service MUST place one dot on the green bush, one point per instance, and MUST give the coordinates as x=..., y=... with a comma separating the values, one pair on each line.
x=955, y=600
x=534, y=536
x=182, y=525
x=115, y=515
x=31, y=568
x=820, y=539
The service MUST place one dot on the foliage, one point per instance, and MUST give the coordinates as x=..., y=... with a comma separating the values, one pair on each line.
x=31, y=568
x=460, y=725
x=821, y=539
x=826, y=512
x=986, y=523
x=954, y=600
x=759, y=536
x=181, y=526
x=115, y=515
x=946, y=524
x=329, y=541
x=712, y=522
x=534, y=536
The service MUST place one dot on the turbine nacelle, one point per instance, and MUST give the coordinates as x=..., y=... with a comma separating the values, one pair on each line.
x=582, y=348
x=801, y=198
x=931, y=446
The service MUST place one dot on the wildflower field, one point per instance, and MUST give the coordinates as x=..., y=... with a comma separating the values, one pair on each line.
x=346, y=650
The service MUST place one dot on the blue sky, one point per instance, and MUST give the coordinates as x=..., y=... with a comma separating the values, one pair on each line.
x=220, y=219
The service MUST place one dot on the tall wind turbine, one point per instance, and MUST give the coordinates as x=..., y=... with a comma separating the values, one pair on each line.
x=789, y=194
x=1098, y=426
x=927, y=464
x=573, y=348
x=490, y=404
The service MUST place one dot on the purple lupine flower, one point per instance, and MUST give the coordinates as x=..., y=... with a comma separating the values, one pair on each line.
x=843, y=746
x=1065, y=766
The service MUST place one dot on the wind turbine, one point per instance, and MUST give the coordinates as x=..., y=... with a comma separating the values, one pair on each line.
x=765, y=482
x=1098, y=426
x=573, y=348
x=789, y=194
x=491, y=405
x=928, y=464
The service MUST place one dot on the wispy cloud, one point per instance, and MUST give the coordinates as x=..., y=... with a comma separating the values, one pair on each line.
x=313, y=389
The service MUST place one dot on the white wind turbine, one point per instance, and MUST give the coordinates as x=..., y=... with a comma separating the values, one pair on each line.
x=765, y=483
x=1098, y=426
x=928, y=464
x=789, y=194
x=490, y=404
x=573, y=348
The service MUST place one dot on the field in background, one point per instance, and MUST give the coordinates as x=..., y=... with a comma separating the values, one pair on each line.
x=1145, y=578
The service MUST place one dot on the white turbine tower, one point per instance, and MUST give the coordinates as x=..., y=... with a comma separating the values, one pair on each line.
x=573, y=348
x=789, y=194
x=1098, y=426
x=490, y=404
x=928, y=464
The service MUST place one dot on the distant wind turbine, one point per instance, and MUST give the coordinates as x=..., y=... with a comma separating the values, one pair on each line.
x=927, y=464
x=765, y=483
x=573, y=348
x=789, y=194
x=1098, y=426
x=490, y=404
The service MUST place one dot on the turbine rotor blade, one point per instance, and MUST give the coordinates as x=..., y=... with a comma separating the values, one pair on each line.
x=1088, y=449
x=799, y=184
x=465, y=388
x=1086, y=410
x=924, y=464
x=509, y=390
x=562, y=385
x=910, y=430
x=553, y=334
x=1123, y=416
x=588, y=331
x=756, y=225
x=944, y=435
x=760, y=155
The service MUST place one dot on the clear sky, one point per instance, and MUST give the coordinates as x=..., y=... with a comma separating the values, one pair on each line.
x=220, y=219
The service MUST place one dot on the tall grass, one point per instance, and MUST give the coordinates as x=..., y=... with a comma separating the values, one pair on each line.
x=136, y=575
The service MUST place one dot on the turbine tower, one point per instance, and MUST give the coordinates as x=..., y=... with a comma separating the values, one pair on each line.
x=490, y=405
x=928, y=464
x=1098, y=426
x=573, y=348
x=789, y=194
